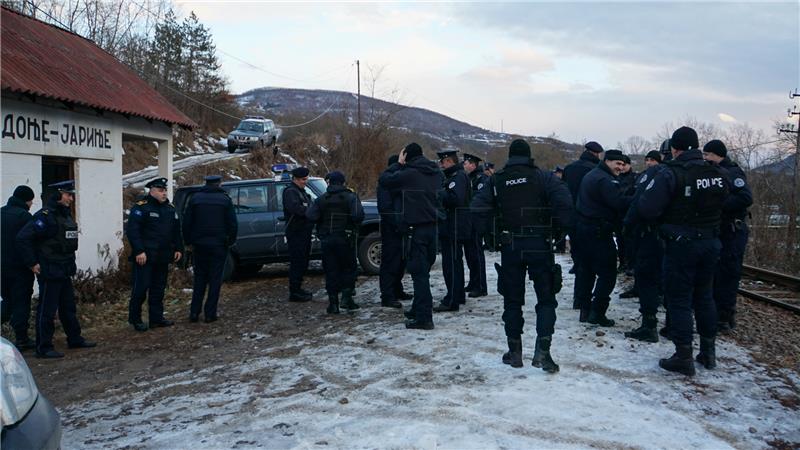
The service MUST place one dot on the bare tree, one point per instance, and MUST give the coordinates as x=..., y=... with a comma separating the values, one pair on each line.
x=635, y=145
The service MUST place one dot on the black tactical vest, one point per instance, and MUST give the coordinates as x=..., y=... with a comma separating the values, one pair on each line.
x=335, y=209
x=520, y=197
x=700, y=191
x=63, y=245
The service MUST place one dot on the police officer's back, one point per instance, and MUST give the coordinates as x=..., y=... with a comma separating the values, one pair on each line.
x=528, y=203
x=338, y=213
x=210, y=226
x=17, y=279
x=688, y=199
x=576, y=170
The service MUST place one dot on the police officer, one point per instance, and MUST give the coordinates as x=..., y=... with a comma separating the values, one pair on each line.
x=559, y=172
x=47, y=245
x=687, y=197
x=733, y=235
x=393, y=265
x=473, y=248
x=210, y=226
x=154, y=233
x=454, y=231
x=573, y=175
x=298, y=232
x=17, y=279
x=527, y=202
x=624, y=240
x=488, y=169
x=338, y=214
x=416, y=180
x=649, y=253
x=600, y=202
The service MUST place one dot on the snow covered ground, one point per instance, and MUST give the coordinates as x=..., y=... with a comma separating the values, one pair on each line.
x=140, y=177
x=378, y=385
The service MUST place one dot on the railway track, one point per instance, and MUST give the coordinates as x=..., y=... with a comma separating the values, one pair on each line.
x=770, y=287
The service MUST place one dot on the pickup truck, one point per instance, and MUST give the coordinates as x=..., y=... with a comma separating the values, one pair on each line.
x=261, y=240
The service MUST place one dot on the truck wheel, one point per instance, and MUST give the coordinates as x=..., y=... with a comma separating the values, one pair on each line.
x=369, y=253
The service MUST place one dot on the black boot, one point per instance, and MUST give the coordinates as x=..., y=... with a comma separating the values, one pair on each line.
x=646, y=332
x=584, y=315
x=681, y=361
x=723, y=322
x=541, y=356
x=598, y=318
x=347, y=300
x=333, y=304
x=513, y=356
x=708, y=353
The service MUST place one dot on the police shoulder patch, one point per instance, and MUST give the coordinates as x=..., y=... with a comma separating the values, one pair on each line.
x=644, y=178
x=451, y=185
x=40, y=224
x=480, y=186
x=739, y=182
x=137, y=212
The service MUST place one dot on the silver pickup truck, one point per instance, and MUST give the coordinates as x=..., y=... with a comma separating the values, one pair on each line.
x=253, y=132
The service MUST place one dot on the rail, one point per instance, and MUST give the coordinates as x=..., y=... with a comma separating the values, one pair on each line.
x=780, y=300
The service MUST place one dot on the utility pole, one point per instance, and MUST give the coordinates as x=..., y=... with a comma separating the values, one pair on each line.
x=358, y=78
x=794, y=207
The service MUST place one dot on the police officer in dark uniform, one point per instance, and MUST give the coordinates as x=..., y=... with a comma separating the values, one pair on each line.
x=625, y=248
x=210, y=226
x=733, y=235
x=338, y=213
x=416, y=180
x=473, y=248
x=600, y=202
x=488, y=169
x=154, y=233
x=573, y=175
x=649, y=253
x=298, y=232
x=393, y=266
x=527, y=203
x=47, y=245
x=454, y=231
x=688, y=197
x=17, y=279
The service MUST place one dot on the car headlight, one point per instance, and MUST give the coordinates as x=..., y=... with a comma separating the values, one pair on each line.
x=17, y=389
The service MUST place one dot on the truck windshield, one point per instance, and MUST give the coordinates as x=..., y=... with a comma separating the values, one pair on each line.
x=318, y=185
x=249, y=125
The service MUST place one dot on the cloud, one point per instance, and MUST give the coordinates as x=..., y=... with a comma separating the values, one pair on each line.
x=726, y=118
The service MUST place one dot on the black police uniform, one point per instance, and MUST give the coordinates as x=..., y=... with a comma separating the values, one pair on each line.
x=600, y=203
x=338, y=213
x=688, y=199
x=733, y=237
x=454, y=232
x=416, y=182
x=17, y=278
x=626, y=250
x=153, y=229
x=51, y=240
x=473, y=248
x=527, y=203
x=210, y=226
x=576, y=170
x=393, y=265
x=648, y=276
x=298, y=238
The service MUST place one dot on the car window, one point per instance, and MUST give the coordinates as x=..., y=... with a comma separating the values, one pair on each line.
x=277, y=194
x=250, y=125
x=253, y=199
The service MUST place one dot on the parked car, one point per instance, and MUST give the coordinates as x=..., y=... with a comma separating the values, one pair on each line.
x=253, y=132
x=28, y=418
x=261, y=239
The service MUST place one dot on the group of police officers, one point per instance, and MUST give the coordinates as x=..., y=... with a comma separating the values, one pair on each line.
x=679, y=227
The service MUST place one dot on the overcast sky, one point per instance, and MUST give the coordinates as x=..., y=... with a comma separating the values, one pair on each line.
x=585, y=71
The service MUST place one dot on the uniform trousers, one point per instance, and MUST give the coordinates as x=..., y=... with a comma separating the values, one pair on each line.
x=56, y=294
x=209, y=266
x=149, y=281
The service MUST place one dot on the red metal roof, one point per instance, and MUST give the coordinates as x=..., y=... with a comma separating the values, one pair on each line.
x=46, y=61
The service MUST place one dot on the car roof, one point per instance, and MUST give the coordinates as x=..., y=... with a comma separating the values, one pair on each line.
x=246, y=182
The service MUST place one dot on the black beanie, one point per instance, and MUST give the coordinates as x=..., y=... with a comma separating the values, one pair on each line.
x=683, y=139
x=413, y=150
x=654, y=154
x=593, y=147
x=393, y=159
x=716, y=147
x=614, y=155
x=24, y=193
x=335, y=177
x=519, y=147
x=626, y=159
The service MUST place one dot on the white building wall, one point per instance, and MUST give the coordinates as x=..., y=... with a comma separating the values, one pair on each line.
x=99, y=211
x=17, y=169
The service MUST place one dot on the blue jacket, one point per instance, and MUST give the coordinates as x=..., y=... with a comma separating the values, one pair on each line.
x=601, y=198
x=454, y=197
x=154, y=228
x=415, y=183
x=13, y=217
x=632, y=218
x=210, y=219
x=741, y=197
x=32, y=238
x=576, y=170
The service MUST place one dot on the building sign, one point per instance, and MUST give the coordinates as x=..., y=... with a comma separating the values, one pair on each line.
x=35, y=129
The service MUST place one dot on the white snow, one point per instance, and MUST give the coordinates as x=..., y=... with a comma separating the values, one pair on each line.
x=140, y=177
x=289, y=157
x=382, y=386
x=323, y=149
